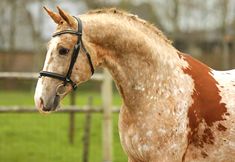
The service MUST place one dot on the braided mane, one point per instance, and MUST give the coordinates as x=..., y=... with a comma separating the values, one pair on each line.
x=133, y=18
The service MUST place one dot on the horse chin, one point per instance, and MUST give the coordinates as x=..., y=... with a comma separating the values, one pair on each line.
x=41, y=111
x=48, y=111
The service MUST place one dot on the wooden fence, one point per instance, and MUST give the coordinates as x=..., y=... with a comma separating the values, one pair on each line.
x=106, y=110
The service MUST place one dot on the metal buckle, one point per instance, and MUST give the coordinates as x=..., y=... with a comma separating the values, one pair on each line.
x=61, y=90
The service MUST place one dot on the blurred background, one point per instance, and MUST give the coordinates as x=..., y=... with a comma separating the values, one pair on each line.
x=203, y=29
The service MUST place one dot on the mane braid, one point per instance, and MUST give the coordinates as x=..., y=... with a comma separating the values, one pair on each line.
x=131, y=17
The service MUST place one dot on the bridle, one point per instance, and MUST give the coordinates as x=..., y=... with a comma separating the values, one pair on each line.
x=67, y=79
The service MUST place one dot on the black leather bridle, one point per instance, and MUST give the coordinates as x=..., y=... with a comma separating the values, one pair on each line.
x=67, y=79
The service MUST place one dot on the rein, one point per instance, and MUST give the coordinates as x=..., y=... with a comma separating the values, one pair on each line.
x=67, y=79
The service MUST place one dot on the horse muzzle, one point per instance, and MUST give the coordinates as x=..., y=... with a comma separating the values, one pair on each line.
x=48, y=105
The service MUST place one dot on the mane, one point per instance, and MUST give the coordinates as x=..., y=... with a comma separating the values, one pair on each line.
x=132, y=17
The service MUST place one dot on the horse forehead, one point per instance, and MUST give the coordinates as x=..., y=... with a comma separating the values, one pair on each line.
x=52, y=45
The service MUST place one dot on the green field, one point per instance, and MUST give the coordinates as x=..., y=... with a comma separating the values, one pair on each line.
x=44, y=138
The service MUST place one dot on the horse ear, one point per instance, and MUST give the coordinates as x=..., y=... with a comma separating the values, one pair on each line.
x=67, y=17
x=56, y=17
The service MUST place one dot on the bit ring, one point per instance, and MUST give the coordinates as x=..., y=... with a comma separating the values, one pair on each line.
x=61, y=90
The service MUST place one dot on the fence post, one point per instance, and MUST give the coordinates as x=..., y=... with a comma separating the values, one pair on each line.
x=73, y=98
x=72, y=118
x=71, y=127
x=107, y=117
x=87, y=127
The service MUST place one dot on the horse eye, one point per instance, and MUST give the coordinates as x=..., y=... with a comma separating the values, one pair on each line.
x=63, y=51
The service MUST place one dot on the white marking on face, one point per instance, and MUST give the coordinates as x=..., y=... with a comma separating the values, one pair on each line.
x=52, y=46
x=39, y=88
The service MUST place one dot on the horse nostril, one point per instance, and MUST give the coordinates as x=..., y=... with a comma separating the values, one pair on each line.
x=41, y=102
x=49, y=104
x=42, y=105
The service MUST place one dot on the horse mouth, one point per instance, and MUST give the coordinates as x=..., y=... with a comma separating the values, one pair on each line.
x=52, y=107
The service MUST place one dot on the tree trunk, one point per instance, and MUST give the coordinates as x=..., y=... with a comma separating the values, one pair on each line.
x=13, y=25
x=226, y=62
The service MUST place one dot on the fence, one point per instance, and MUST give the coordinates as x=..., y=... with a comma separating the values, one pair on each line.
x=106, y=110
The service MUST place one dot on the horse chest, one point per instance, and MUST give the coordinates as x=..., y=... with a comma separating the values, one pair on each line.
x=148, y=137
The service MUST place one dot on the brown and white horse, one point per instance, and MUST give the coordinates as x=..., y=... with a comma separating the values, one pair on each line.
x=174, y=107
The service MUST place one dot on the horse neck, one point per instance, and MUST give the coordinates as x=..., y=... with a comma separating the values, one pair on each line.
x=139, y=60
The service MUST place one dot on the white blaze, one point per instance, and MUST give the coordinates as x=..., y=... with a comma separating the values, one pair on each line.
x=39, y=88
x=52, y=46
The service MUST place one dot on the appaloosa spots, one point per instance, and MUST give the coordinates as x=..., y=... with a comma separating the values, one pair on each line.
x=162, y=102
x=207, y=106
x=220, y=127
x=204, y=154
x=207, y=136
x=149, y=133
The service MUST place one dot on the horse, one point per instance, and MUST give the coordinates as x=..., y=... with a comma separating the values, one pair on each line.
x=175, y=108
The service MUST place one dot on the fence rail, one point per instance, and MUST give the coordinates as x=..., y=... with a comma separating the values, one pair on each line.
x=106, y=109
x=33, y=76
x=66, y=109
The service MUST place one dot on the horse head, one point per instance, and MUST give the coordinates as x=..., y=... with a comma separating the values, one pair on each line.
x=67, y=62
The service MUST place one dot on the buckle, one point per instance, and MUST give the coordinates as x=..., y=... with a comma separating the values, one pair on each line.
x=75, y=87
x=67, y=80
x=61, y=90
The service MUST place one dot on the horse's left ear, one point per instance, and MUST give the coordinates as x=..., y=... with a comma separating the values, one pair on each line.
x=67, y=17
x=56, y=17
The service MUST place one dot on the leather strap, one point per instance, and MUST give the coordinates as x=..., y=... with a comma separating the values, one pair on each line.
x=67, y=79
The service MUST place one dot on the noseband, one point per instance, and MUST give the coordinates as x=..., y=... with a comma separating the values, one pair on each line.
x=67, y=79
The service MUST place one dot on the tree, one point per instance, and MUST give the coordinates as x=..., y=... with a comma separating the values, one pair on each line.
x=224, y=14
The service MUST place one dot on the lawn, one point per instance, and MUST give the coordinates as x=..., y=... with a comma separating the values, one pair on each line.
x=44, y=138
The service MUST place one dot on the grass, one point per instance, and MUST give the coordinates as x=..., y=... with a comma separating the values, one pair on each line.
x=26, y=98
x=44, y=138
